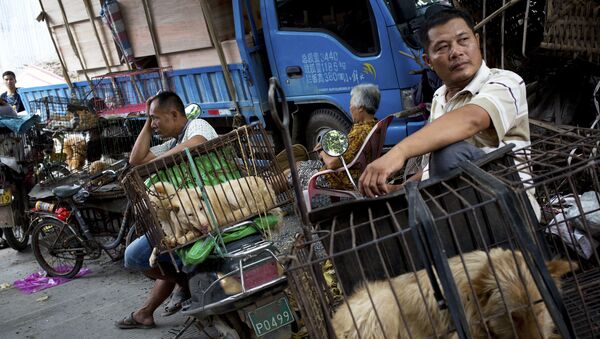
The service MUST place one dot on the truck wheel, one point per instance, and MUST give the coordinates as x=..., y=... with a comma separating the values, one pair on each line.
x=322, y=120
x=16, y=238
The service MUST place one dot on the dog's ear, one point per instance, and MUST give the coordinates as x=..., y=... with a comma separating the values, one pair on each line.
x=558, y=268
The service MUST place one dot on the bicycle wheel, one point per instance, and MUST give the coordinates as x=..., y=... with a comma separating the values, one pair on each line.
x=57, y=249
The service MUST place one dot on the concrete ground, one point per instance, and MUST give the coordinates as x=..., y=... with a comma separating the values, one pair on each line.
x=86, y=307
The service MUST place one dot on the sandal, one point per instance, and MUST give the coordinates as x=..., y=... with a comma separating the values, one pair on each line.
x=129, y=323
x=174, y=304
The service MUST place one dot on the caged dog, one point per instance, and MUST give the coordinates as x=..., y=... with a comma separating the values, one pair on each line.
x=417, y=308
x=187, y=213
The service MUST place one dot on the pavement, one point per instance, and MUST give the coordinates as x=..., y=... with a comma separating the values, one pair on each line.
x=87, y=307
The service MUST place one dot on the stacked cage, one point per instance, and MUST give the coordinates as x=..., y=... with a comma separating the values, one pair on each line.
x=60, y=113
x=561, y=170
x=448, y=257
x=125, y=93
x=202, y=190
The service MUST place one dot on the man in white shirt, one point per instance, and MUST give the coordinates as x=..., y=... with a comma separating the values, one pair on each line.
x=477, y=110
x=166, y=118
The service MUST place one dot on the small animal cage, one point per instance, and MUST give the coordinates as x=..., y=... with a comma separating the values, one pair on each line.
x=63, y=113
x=562, y=171
x=202, y=190
x=449, y=257
x=125, y=93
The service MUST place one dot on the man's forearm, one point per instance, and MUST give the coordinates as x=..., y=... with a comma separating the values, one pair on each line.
x=193, y=141
x=141, y=149
x=452, y=127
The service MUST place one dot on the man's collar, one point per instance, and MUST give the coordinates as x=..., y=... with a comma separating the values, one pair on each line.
x=182, y=133
x=473, y=86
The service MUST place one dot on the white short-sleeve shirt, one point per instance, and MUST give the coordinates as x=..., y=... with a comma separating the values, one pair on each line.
x=194, y=127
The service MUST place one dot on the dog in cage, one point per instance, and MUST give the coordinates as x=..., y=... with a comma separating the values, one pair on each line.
x=406, y=304
x=184, y=215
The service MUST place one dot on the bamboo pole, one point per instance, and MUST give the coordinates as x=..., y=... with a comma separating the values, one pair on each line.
x=74, y=46
x=213, y=37
x=44, y=16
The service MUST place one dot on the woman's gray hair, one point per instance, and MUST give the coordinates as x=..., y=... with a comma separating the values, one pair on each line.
x=366, y=96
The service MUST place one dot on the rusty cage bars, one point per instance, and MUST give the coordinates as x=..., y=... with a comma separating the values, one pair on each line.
x=207, y=188
x=394, y=237
x=562, y=171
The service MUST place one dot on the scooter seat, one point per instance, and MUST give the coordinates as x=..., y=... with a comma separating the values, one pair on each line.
x=66, y=190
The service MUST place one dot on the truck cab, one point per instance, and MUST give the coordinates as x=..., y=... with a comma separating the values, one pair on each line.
x=320, y=49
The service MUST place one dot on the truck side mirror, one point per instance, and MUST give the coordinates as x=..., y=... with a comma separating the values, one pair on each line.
x=403, y=10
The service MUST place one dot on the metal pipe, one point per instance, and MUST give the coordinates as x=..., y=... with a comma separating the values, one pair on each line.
x=484, y=31
x=44, y=16
x=74, y=46
x=502, y=24
x=154, y=42
x=213, y=37
x=495, y=14
x=525, y=24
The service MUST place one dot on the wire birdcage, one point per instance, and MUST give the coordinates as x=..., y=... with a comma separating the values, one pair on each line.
x=449, y=257
x=125, y=93
x=204, y=189
x=60, y=113
x=561, y=171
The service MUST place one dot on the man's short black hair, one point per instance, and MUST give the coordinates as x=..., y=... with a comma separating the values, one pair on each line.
x=171, y=100
x=9, y=73
x=438, y=15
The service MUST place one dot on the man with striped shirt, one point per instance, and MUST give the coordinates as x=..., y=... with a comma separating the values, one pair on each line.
x=477, y=110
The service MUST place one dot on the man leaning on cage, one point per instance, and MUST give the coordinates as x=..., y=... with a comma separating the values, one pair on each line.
x=476, y=111
x=166, y=118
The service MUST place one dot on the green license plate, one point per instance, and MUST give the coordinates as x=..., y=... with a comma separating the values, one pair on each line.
x=270, y=317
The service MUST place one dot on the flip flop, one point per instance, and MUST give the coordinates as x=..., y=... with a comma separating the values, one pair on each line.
x=129, y=323
x=174, y=304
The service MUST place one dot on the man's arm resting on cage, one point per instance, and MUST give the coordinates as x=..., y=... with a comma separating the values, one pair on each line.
x=140, y=153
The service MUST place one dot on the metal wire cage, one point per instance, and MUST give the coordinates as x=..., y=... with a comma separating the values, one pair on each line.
x=381, y=268
x=63, y=113
x=560, y=169
x=125, y=93
x=219, y=183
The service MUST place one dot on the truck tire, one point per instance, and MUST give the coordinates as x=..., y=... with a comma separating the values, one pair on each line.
x=17, y=242
x=322, y=120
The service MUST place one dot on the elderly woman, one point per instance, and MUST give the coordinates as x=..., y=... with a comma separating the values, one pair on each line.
x=364, y=102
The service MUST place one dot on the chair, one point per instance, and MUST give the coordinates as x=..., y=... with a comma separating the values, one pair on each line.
x=373, y=142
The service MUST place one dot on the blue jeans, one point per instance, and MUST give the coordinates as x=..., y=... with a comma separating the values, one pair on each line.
x=137, y=255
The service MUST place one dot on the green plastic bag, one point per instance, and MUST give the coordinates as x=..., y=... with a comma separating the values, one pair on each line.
x=214, y=168
x=198, y=252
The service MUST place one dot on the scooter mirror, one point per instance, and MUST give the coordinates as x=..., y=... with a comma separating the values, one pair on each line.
x=334, y=143
x=192, y=111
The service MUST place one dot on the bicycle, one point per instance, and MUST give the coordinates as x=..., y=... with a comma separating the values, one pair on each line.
x=61, y=239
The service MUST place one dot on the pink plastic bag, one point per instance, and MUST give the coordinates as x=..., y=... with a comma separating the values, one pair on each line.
x=38, y=281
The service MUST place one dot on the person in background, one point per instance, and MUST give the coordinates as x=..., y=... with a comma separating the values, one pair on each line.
x=476, y=111
x=166, y=117
x=11, y=96
x=364, y=102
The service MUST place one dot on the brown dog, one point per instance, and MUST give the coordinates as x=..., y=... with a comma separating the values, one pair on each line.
x=414, y=294
x=183, y=211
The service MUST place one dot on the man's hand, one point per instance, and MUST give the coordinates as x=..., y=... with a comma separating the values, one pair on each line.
x=372, y=182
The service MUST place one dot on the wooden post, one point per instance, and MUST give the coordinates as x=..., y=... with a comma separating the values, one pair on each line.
x=86, y=3
x=44, y=16
x=222, y=60
x=74, y=46
x=154, y=43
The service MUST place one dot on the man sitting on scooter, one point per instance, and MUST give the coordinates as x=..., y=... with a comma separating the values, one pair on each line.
x=166, y=117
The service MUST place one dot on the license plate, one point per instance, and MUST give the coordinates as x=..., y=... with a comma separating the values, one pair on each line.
x=5, y=197
x=270, y=317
